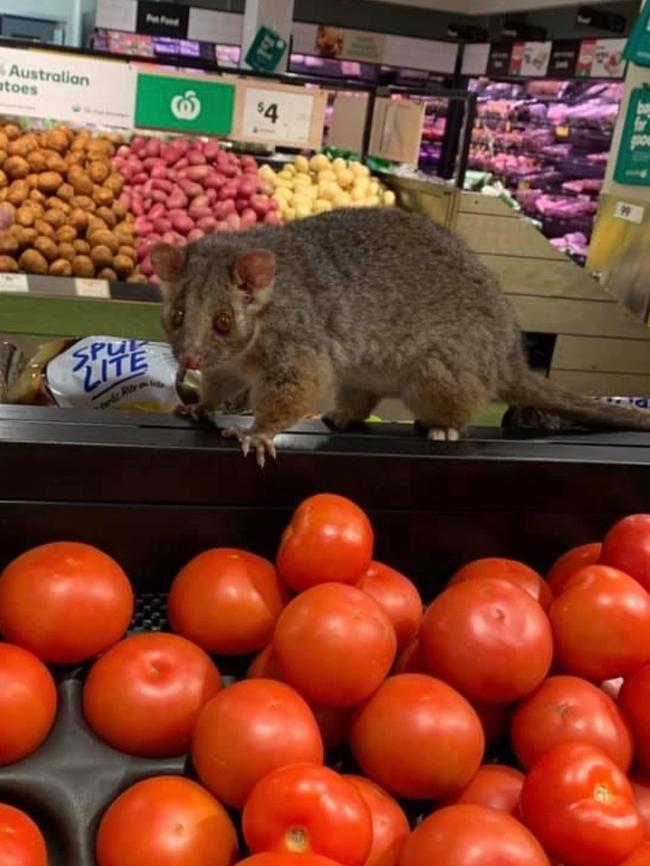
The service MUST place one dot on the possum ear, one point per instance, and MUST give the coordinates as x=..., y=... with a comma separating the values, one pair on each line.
x=253, y=273
x=168, y=261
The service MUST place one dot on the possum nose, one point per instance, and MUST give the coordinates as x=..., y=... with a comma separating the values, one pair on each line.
x=191, y=361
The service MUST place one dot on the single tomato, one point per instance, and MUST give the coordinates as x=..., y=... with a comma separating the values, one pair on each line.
x=65, y=602
x=390, y=827
x=28, y=702
x=580, y=806
x=570, y=562
x=412, y=660
x=169, y=821
x=641, y=788
x=495, y=785
x=601, y=624
x=145, y=695
x=627, y=547
x=403, y=736
x=569, y=709
x=227, y=601
x=640, y=857
x=271, y=859
x=515, y=572
x=634, y=701
x=308, y=809
x=398, y=597
x=335, y=644
x=248, y=730
x=489, y=639
x=21, y=842
x=329, y=539
x=468, y=835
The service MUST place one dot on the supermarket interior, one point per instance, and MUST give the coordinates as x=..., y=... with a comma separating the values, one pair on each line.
x=324, y=433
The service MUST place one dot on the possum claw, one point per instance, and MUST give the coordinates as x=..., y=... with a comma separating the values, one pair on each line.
x=443, y=434
x=248, y=440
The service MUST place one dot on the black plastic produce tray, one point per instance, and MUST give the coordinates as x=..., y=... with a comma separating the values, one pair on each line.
x=154, y=491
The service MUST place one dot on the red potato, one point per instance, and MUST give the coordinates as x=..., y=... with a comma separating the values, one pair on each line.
x=162, y=184
x=223, y=208
x=211, y=196
x=197, y=172
x=152, y=162
x=189, y=187
x=241, y=204
x=143, y=225
x=206, y=224
x=247, y=186
x=195, y=157
x=182, y=224
x=157, y=210
x=197, y=213
x=248, y=218
x=273, y=218
x=162, y=225
x=228, y=190
x=146, y=267
x=233, y=221
x=181, y=164
x=260, y=204
x=177, y=200
x=196, y=235
x=214, y=180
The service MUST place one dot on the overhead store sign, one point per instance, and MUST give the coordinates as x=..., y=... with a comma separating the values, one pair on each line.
x=184, y=103
x=266, y=51
x=530, y=59
x=564, y=59
x=591, y=58
x=58, y=86
x=169, y=19
x=633, y=161
x=601, y=58
x=162, y=19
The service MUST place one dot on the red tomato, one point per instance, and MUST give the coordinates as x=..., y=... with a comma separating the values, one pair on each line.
x=493, y=785
x=634, y=701
x=573, y=560
x=145, y=695
x=489, y=639
x=329, y=539
x=169, y=821
x=335, y=644
x=28, y=703
x=248, y=730
x=270, y=859
x=390, y=826
x=640, y=857
x=308, y=809
x=568, y=709
x=581, y=807
x=399, y=598
x=21, y=842
x=641, y=788
x=507, y=569
x=403, y=736
x=333, y=722
x=412, y=660
x=65, y=602
x=468, y=835
x=627, y=547
x=601, y=624
x=226, y=601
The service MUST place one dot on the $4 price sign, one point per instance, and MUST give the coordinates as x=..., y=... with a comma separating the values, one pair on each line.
x=277, y=116
x=268, y=110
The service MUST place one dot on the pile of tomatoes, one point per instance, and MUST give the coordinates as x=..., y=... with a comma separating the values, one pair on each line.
x=410, y=706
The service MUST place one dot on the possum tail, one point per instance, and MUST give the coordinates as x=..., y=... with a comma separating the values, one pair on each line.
x=533, y=391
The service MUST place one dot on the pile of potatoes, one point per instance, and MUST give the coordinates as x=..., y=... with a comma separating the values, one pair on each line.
x=312, y=186
x=60, y=212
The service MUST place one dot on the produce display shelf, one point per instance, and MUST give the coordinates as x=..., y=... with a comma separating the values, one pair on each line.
x=154, y=490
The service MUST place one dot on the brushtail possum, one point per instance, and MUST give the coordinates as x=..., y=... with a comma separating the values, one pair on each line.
x=379, y=301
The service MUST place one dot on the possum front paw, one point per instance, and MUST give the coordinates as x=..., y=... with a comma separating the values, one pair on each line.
x=195, y=411
x=337, y=420
x=250, y=439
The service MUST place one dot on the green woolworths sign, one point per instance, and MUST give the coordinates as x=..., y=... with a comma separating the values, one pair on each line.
x=183, y=104
x=633, y=163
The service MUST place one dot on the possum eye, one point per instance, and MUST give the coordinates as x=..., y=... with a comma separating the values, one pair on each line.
x=222, y=323
x=177, y=318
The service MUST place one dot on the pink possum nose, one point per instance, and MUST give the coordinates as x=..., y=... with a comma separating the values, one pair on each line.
x=191, y=362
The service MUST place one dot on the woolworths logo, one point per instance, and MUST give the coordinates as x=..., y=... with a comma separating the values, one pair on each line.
x=16, y=78
x=185, y=106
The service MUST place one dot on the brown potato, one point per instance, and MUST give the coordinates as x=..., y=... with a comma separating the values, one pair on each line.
x=37, y=208
x=24, y=236
x=55, y=162
x=57, y=140
x=33, y=262
x=105, y=238
x=114, y=182
x=32, y=181
x=95, y=224
x=137, y=277
x=8, y=265
x=99, y=170
x=98, y=147
x=3, y=178
x=25, y=216
x=47, y=248
x=124, y=233
x=84, y=202
x=36, y=160
x=65, y=192
x=80, y=140
x=80, y=181
x=67, y=251
x=103, y=195
x=81, y=247
x=4, y=192
x=4, y=140
x=119, y=209
x=49, y=181
x=107, y=274
x=7, y=213
x=16, y=167
x=75, y=159
x=102, y=257
x=8, y=243
x=66, y=233
x=12, y=131
x=78, y=219
x=44, y=228
x=23, y=145
x=106, y=214
x=36, y=195
x=55, y=217
x=126, y=250
x=82, y=266
x=18, y=192
x=3, y=156
x=55, y=203
x=123, y=265
x=61, y=267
